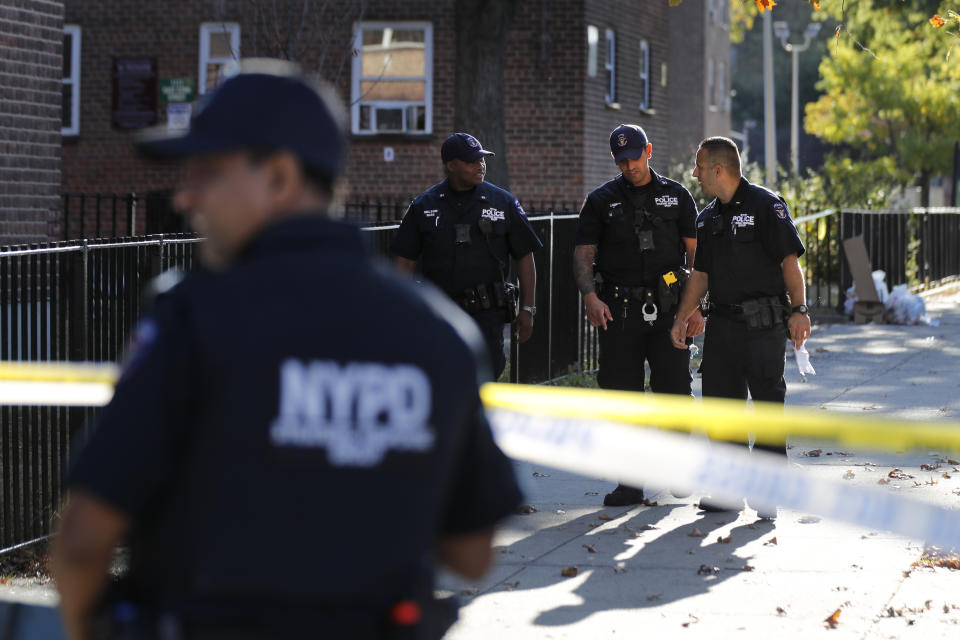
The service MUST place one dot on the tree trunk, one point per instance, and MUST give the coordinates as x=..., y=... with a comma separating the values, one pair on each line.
x=481, y=30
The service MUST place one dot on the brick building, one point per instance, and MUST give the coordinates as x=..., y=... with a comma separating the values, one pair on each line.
x=31, y=72
x=574, y=69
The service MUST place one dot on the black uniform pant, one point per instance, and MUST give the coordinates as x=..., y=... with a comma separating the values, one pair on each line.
x=737, y=359
x=628, y=342
x=491, y=326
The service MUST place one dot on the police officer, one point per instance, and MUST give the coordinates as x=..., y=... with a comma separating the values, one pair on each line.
x=747, y=258
x=636, y=238
x=464, y=231
x=259, y=442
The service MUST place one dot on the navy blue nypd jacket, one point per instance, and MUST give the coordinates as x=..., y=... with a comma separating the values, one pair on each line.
x=301, y=400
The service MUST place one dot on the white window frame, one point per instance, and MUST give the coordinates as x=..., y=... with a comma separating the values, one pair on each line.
x=73, y=80
x=610, y=65
x=645, y=74
x=711, y=84
x=356, y=79
x=593, y=49
x=206, y=29
x=722, y=86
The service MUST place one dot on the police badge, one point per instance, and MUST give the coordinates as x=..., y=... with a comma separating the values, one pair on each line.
x=622, y=140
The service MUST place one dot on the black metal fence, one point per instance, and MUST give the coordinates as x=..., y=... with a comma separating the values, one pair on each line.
x=78, y=300
x=65, y=301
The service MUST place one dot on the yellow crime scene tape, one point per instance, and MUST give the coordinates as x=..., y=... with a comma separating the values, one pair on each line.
x=599, y=433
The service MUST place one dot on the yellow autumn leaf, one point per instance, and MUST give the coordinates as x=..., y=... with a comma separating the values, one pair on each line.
x=765, y=5
x=816, y=4
x=937, y=21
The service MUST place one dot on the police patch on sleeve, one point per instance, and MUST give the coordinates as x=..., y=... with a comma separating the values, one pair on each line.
x=141, y=343
x=519, y=207
x=780, y=210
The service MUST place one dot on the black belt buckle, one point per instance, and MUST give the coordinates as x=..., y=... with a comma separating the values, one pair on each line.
x=463, y=233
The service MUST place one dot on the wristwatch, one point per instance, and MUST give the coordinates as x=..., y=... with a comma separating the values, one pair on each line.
x=800, y=308
x=532, y=310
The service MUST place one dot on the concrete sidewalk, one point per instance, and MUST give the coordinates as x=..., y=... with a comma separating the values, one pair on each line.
x=645, y=572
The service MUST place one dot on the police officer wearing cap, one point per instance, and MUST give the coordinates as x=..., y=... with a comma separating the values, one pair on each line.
x=261, y=448
x=636, y=239
x=747, y=258
x=464, y=232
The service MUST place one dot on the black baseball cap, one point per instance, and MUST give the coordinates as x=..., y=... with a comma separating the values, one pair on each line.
x=263, y=112
x=463, y=146
x=628, y=141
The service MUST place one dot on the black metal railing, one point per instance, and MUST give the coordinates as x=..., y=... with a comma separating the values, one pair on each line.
x=916, y=247
x=65, y=301
x=78, y=300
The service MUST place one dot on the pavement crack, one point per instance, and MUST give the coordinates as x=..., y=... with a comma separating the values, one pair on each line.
x=882, y=373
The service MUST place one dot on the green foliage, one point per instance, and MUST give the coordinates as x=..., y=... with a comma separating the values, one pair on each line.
x=576, y=377
x=890, y=97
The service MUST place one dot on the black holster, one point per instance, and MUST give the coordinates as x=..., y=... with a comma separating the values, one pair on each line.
x=763, y=313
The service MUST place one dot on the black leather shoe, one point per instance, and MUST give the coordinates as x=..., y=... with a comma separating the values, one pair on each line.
x=709, y=507
x=623, y=496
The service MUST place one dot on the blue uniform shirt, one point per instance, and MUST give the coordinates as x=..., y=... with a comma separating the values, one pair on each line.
x=607, y=220
x=297, y=430
x=741, y=245
x=429, y=231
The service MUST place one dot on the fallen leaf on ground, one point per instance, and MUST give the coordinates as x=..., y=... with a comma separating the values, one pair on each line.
x=747, y=567
x=849, y=475
x=883, y=481
x=649, y=527
x=654, y=596
x=781, y=611
x=525, y=509
x=772, y=542
x=809, y=519
x=931, y=481
x=898, y=474
x=945, y=475
x=592, y=493
x=929, y=467
x=589, y=547
x=605, y=517
x=569, y=572
x=952, y=461
x=833, y=620
x=693, y=619
x=706, y=570
x=649, y=503
x=813, y=453
x=696, y=533
x=723, y=540
x=821, y=350
x=537, y=474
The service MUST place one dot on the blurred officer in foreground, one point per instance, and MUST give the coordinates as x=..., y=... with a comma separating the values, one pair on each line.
x=747, y=258
x=297, y=438
x=636, y=239
x=465, y=231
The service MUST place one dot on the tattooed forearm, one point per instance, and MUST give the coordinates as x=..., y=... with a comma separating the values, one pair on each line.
x=583, y=256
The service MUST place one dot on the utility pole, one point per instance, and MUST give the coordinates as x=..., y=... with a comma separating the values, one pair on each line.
x=782, y=30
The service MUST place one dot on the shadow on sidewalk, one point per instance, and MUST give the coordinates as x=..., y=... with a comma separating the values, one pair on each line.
x=631, y=566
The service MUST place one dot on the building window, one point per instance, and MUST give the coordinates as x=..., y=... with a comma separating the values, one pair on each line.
x=593, y=44
x=711, y=84
x=722, y=11
x=219, y=53
x=610, y=66
x=712, y=10
x=392, y=83
x=70, y=111
x=644, y=74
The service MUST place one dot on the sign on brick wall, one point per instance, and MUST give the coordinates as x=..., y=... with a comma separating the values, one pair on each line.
x=176, y=90
x=134, y=92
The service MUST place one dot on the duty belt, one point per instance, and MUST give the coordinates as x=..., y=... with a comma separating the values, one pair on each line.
x=757, y=313
x=482, y=297
x=646, y=297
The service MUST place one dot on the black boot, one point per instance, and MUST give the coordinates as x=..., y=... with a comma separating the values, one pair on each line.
x=623, y=496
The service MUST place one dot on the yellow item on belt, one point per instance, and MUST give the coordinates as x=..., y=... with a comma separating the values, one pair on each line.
x=669, y=277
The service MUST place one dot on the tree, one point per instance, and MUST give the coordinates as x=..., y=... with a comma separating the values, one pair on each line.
x=481, y=27
x=890, y=96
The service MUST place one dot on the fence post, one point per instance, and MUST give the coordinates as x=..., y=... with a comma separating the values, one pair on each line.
x=78, y=335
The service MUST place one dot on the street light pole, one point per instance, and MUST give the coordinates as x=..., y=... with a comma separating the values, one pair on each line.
x=769, y=113
x=783, y=32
